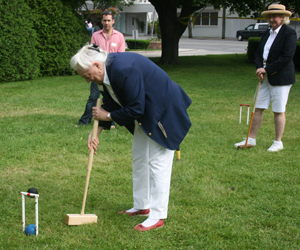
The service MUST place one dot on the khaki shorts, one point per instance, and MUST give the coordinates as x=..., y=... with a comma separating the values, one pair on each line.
x=277, y=95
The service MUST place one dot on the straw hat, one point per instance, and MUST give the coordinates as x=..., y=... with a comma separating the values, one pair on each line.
x=274, y=9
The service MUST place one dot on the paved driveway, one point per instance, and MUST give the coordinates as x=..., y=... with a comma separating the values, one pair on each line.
x=203, y=46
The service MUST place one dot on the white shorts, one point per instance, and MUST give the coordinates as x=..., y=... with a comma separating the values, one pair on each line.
x=278, y=95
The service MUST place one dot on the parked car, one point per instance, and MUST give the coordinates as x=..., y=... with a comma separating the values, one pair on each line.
x=253, y=30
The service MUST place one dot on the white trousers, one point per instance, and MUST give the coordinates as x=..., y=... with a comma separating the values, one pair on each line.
x=151, y=171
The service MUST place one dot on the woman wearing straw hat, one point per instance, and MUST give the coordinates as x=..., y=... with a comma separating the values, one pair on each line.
x=276, y=70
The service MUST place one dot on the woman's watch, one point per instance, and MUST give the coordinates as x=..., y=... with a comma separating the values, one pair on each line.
x=108, y=117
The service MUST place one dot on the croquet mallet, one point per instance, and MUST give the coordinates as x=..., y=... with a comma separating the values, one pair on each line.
x=251, y=119
x=80, y=219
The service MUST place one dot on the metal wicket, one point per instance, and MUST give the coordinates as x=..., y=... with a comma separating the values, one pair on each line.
x=241, y=107
x=36, y=196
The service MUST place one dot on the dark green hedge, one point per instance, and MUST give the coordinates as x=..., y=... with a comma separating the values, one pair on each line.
x=137, y=44
x=297, y=57
x=18, y=60
x=60, y=34
x=38, y=38
x=253, y=43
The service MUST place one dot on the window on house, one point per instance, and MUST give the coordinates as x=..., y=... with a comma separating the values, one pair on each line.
x=198, y=19
x=207, y=18
x=214, y=18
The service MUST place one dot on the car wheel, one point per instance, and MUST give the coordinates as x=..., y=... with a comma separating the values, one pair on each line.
x=240, y=37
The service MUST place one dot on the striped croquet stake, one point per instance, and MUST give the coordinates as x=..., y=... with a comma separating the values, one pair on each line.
x=178, y=153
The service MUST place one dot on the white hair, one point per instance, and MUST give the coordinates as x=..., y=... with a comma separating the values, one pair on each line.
x=285, y=19
x=87, y=56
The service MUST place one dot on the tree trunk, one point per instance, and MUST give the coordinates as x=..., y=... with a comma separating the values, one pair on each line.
x=190, y=29
x=170, y=40
x=171, y=26
x=224, y=24
x=170, y=35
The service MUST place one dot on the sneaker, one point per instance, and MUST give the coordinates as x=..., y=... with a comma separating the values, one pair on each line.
x=251, y=141
x=276, y=146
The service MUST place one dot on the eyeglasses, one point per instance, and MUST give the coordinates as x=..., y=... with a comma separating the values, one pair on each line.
x=95, y=47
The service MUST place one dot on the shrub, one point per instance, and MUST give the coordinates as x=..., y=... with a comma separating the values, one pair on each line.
x=137, y=44
x=19, y=59
x=297, y=56
x=156, y=28
x=253, y=43
x=60, y=34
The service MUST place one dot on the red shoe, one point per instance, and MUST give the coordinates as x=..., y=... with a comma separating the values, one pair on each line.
x=141, y=228
x=144, y=212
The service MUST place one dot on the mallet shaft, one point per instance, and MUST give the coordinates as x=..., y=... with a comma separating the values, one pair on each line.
x=253, y=112
x=90, y=161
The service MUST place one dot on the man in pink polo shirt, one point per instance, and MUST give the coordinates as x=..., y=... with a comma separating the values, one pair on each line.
x=111, y=41
x=108, y=38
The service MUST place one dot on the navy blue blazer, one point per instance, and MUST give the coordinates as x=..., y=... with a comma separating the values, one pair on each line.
x=280, y=66
x=148, y=95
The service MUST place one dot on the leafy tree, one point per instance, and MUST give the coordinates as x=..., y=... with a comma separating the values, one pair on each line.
x=293, y=5
x=254, y=8
x=101, y=5
x=172, y=26
x=18, y=59
x=74, y=4
x=105, y=4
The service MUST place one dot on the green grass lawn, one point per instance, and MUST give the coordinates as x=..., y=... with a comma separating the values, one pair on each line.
x=221, y=198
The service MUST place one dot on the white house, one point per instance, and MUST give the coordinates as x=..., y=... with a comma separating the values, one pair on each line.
x=209, y=23
x=136, y=17
x=131, y=18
